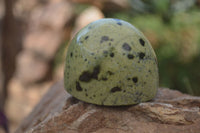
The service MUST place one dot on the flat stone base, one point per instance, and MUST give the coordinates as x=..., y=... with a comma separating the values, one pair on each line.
x=170, y=112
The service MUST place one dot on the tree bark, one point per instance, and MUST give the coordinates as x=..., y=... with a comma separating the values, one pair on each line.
x=10, y=46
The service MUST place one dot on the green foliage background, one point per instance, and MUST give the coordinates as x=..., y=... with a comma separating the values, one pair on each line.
x=175, y=37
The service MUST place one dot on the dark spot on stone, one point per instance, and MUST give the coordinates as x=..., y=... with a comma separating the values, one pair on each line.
x=111, y=39
x=141, y=55
x=85, y=90
x=92, y=53
x=85, y=76
x=119, y=23
x=111, y=54
x=124, y=90
x=86, y=94
x=71, y=54
x=126, y=47
x=78, y=86
x=86, y=37
x=124, y=54
x=104, y=78
x=94, y=95
x=142, y=42
x=109, y=44
x=101, y=94
x=135, y=79
x=91, y=98
x=104, y=39
x=85, y=60
x=81, y=41
x=76, y=56
x=110, y=73
x=128, y=78
x=115, y=89
x=96, y=71
x=149, y=71
x=130, y=56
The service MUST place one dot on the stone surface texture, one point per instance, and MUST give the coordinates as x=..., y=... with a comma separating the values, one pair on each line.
x=170, y=112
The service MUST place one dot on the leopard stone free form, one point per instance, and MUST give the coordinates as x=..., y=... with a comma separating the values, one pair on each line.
x=110, y=62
